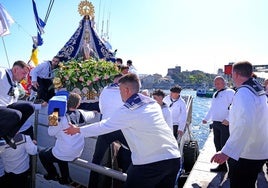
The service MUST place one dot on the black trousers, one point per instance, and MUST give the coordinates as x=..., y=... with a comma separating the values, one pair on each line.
x=221, y=134
x=45, y=90
x=244, y=172
x=13, y=117
x=102, y=144
x=153, y=175
x=175, y=131
x=47, y=159
x=17, y=180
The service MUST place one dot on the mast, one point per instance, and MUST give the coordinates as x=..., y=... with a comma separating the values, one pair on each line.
x=98, y=24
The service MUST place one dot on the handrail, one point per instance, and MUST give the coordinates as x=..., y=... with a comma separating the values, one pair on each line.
x=98, y=168
x=101, y=169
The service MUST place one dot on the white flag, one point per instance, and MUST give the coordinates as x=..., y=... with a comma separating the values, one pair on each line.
x=5, y=21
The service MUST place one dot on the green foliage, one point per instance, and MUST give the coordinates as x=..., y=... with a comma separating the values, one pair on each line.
x=89, y=74
x=193, y=79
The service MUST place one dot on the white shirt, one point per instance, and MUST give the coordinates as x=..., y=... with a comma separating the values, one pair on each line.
x=110, y=100
x=5, y=86
x=167, y=115
x=178, y=111
x=218, y=110
x=67, y=147
x=17, y=160
x=248, y=126
x=42, y=70
x=146, y=132
x=133, y=70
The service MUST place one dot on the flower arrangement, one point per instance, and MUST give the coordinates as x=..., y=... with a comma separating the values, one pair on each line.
x=84, y=76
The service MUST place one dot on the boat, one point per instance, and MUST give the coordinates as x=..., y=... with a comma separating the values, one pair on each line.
x=204, y=92
x=85, y=36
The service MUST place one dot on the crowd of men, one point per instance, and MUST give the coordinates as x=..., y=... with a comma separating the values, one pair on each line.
x=147, y=126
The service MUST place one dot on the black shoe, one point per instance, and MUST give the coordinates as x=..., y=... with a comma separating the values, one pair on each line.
x=10, y=141
x=65, y=181
x=220, y=168
x=50, y=177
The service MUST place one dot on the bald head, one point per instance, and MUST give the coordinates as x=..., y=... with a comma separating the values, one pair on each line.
x=219, y=82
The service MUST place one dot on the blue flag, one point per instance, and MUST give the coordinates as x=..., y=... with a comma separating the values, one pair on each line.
x=40, y=24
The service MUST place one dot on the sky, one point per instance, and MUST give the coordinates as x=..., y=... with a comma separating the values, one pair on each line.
x=156, y=35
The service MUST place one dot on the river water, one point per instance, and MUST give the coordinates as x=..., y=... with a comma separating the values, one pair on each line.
x=201, y=105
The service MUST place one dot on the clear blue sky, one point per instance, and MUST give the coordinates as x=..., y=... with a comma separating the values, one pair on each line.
x=196, y=35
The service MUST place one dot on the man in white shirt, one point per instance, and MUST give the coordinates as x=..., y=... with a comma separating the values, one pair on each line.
x=246, y=148
x=155, y=154
x=218, y=113
x=13, y=114
x=131, y=67
x=177, y=106
x=159, y=95
x=41, y=77
x=109, y=101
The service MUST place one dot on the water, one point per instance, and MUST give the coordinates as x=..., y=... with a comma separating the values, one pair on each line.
x=201, y=106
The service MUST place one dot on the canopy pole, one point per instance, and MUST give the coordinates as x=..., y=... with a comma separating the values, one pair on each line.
x=5, y=51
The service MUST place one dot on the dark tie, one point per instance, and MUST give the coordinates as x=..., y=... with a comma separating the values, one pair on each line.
x=172, y=102
x=217, y=92
x=12, y=85
x=50, y=71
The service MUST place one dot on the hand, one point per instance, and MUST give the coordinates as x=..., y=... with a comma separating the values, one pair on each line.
x=44, y=104
x=219, y=158
x=204, y=121
x=35, y=142
x=225, y=122
x=73, y=129
x=180, y=133
x=35, y=84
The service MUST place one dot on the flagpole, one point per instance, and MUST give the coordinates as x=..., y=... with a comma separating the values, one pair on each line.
x=5, y=51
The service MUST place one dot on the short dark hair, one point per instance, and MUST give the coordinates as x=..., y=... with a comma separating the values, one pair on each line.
x=243, y=68
x=119, y=60
x=131, y=79
x=123, y=67
x=159, y=92
x=176, y=89
x=129, y=62
x=20, y=63
x=73, y=100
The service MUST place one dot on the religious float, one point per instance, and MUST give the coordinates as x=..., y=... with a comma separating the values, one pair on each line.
x=87, y=60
